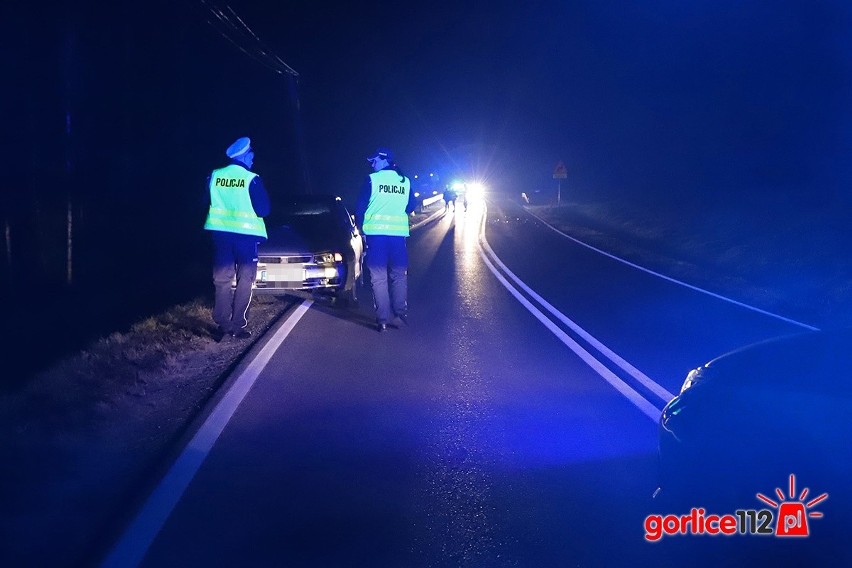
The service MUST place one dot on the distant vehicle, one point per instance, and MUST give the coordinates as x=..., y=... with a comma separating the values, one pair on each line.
x=426, y=198
x=745, y=421
x=313, y=245
x=427, y=190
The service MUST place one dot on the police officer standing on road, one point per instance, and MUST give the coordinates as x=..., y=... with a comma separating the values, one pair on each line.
x=382, y=211
x=450, y=196
x=238, y=203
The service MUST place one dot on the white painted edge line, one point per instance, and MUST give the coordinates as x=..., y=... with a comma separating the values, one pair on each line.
x=626, y=390
x=674, y=280
x=131, y=548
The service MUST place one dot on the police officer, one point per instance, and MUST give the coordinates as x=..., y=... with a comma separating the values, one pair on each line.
x=238, y=203
x=382, y=211
x=450, y=196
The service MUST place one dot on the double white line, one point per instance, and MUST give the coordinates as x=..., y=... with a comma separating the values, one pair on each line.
x=641, y=401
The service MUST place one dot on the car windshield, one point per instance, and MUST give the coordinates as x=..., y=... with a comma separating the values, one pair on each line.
x=300, y=208
x=303, y=214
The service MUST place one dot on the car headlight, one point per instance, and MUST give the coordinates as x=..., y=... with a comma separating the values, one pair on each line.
x=328, y=257
x=692, y=378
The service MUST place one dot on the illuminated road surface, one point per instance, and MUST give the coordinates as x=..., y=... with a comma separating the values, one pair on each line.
x=475, y=437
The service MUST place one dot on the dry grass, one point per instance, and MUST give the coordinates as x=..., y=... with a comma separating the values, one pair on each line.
x=112, y=367
x=83, y=432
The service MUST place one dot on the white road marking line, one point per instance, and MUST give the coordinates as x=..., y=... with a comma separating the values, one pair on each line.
x=131, y=548
x=641, y=377
x=673, y=280
x=636, y=398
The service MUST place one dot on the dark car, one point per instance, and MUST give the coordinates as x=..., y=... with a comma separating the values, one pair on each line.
x=745, y=421
x=313, y=245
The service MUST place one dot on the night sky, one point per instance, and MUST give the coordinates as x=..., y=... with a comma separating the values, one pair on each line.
x=119, y=110
x=666, y=96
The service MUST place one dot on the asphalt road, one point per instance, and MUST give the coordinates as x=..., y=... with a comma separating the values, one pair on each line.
x=473, y=437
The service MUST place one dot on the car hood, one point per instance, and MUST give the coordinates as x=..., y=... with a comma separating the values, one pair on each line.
x=814, y=361
x=288, y=240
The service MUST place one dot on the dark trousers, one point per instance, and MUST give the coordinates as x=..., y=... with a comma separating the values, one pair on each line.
x=387, y=259
x=233, y=254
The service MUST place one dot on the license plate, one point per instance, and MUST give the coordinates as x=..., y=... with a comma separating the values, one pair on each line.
x=284, y=275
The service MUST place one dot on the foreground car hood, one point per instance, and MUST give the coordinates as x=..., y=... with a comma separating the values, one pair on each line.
x=285, y=240
x=812, y=361
x=758, y=414
x=771, y=379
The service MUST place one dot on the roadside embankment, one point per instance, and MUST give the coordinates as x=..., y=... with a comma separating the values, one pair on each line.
x=786, y=259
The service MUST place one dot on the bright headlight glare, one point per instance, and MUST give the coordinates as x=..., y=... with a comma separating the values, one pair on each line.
x=475, y=190
x=338, y=257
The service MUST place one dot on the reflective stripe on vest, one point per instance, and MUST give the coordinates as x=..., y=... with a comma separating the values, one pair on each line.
x=230, y=203
x=385, y=213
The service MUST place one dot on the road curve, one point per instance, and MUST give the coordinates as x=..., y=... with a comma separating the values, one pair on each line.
x=473, y=437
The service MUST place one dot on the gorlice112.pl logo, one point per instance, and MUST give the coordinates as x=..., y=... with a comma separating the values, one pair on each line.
x=791, y=519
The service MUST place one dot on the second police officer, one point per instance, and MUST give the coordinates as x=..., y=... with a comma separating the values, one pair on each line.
x=382, y=211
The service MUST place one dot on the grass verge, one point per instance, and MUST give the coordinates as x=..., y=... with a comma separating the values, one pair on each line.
x=783, y=258
x=78, y=436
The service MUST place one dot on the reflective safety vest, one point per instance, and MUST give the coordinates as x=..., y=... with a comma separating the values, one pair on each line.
x=230, y=203
x=385, y=213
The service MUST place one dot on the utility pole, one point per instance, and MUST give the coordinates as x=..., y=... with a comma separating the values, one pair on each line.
x=8, y=234
x=300, y=134
x=68, y=70
x=231, y=27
